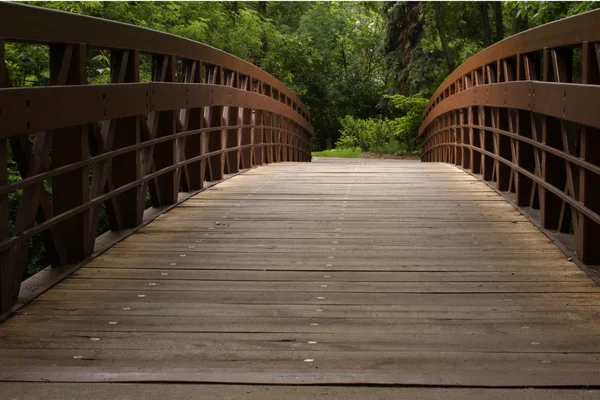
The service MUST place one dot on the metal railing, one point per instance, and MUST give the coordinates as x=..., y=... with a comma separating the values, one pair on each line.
x=525, y=114
x=205, y=114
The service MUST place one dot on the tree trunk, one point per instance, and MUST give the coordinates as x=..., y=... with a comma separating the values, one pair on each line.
x=519, y=23
x=439, y=23
x=485, y=22
x=497, y=5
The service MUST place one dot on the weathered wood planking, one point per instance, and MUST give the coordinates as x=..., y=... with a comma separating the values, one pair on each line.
x=337, y=271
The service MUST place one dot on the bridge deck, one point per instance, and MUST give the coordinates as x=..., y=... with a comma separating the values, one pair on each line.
x=336, y=271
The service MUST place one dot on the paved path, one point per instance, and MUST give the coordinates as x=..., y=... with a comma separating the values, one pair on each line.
x=331, y=272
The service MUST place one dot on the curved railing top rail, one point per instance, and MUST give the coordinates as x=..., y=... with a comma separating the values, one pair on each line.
x=565, y=32
x=39, y=25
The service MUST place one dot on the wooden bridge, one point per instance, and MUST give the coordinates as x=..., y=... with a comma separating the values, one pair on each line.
x=254, y=266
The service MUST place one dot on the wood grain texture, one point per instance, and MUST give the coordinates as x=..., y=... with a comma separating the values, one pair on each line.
x=380, y=272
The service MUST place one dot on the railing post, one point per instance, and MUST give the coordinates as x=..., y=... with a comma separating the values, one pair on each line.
x=268, y=131
x=504, y=175
x=550, y=205
x=277, y=136
x=487, y=143
x=126, y=168
x=466, y=139
x=230, y=136
x=190, y=119
x=457, y=136
x=258, y=130
x=289, y=139
x=165, y=188
x=213, y=116
x=292, y=136
x=7, y=279
x=245, y=135
x=524, y=151
x=70, y=145
x=285, y=139
x=296, y=141
x=589, y=183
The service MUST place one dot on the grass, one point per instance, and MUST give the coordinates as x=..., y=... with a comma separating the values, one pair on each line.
x=337, y=153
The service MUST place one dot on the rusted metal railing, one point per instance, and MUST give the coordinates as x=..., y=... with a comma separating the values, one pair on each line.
x=525, y=114
x=205, y=113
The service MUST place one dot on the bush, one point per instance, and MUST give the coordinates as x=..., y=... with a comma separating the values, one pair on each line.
x=364, y=133
x=406, y=128
x=400, y=135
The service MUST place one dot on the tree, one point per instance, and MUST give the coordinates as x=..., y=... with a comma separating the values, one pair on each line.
x=519, y=21
x=439, y=23
x=497, y=6
x=485, y=23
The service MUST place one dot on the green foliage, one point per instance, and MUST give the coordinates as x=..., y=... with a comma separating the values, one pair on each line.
x=383, y=135
x=415, y=60
x=28, y=65
x=542, y=12
x=364, y=133
x=406, y=127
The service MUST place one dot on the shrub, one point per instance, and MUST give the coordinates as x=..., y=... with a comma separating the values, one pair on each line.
x=364, y=133
x=382, y=134
x=406, y=128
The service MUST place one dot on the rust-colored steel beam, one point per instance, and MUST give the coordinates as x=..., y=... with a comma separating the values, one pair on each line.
x=536, y=123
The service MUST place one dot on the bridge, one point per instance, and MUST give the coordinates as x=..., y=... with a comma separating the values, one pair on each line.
x=253, y=265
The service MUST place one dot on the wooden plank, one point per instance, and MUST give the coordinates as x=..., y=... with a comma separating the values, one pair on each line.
x=331, y=288
x=285, y=341
x=197, y=297
x=178, y=391
x=311, y=276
